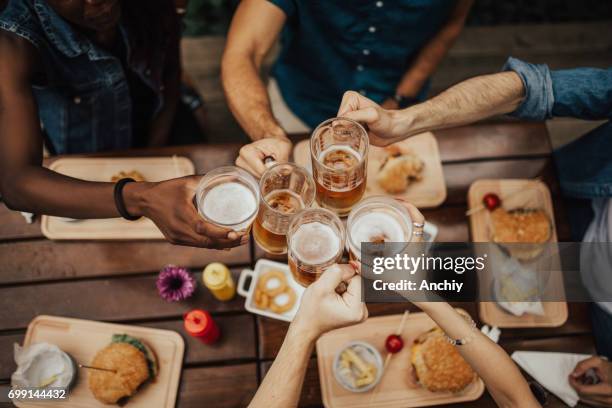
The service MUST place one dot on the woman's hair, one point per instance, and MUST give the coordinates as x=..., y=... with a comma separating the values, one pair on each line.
x=152, y=25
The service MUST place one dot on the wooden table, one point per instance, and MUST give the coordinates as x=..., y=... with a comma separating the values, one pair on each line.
x=115, y=281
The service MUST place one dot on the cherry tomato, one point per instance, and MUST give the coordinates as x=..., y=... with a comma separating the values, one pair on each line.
x=491, y=201
x=394, y=343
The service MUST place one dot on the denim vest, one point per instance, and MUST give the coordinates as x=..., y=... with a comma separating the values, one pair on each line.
x=84, y=104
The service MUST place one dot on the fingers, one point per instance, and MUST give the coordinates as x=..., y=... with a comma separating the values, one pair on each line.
x=333, y=275
x=216, y=232
x=240, y=162
x=583, y=366
x=367, y=115
x=253, y=158
x=352, y=101
x=595, y=390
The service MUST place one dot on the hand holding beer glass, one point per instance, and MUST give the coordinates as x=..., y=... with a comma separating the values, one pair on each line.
x=228, y=197
x=339, y=154
x=381, y=219
x=315, y=241
x=285, y=190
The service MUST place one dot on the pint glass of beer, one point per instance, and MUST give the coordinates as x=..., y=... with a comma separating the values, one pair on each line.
x=285, y=190
x=228, y=197
x=339, y=154
x=377, y=219
x=315, y=241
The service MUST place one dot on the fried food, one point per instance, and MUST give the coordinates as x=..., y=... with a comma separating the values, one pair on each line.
x=272, y=282
x=399, y=170
x=273, y=292
x=130, y=367
x=136, y=176
x=133, y=363
x=283, y=302
x=522, y=225
x=355, y=369
x=438, y=365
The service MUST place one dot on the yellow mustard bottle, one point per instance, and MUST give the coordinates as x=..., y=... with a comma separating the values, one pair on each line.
x=218, y=279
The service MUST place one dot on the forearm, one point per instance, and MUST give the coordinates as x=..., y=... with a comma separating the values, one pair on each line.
x=283, y=383
x=469, y=101
x=41, y=191
x=503, y=379
x=248, y=98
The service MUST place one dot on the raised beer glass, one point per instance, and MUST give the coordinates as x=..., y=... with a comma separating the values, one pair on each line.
x=228, y=197
x=285, y=190
x=315, y=241
x=377, y=219
x=339, y=154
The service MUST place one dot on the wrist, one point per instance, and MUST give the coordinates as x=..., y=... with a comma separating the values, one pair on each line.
x=302, y=330
x=135, y=198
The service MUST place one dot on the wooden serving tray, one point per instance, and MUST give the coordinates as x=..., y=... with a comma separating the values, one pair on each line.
x=83, y=338
x=430, y=191
x=102, y=169
x=397, y=387
x=518, y=193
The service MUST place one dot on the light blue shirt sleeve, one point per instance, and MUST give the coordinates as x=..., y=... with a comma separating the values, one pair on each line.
x=584, y=93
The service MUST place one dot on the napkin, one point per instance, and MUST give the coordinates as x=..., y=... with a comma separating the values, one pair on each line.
x=551, y=371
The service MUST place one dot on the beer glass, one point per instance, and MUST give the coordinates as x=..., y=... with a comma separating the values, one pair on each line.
x=377, y=219
x=285, y=189
x=339, y=154
x=228, y=197
x=315, y=241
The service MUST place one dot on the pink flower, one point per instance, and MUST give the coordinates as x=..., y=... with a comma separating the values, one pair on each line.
x=175, y=283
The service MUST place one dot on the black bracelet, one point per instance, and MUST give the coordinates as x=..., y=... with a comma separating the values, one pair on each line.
x=119, y=203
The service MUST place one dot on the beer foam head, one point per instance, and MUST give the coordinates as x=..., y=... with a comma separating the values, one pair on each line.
x=229, y=203
x=315, y=243
x=376, y=226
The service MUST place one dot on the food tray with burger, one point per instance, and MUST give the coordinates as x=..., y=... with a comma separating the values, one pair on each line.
x=410, y=169
x=137, y=365
x=270, y=290
x=111, y=170
x=518, y=215
x=424, y=370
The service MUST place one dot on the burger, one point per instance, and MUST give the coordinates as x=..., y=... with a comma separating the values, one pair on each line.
x=438, y=365
x=122, y=367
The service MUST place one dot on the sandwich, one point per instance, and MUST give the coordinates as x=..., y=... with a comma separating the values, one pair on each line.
x=123, y=366
x=438, y=365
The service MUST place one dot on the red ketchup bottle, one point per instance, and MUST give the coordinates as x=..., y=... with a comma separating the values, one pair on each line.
x=199, y=324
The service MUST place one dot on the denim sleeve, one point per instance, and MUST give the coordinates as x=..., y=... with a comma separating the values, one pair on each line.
x=584, y=93
x=539, y=97
x=288, y=6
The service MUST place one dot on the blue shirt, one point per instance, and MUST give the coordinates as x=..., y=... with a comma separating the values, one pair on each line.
x=585, y=165
x=331, y=46
x=84, y=100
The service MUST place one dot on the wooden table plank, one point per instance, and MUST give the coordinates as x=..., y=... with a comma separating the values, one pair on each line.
x=43, y=260
x=126, y=299
x=237, y=343
x=493, y=139
x=219, y=387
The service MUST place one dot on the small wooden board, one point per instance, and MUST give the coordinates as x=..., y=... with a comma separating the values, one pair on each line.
x=103, y=169
x=397, y=387
x=83, y=338
x=428, y=192
x=518, y=193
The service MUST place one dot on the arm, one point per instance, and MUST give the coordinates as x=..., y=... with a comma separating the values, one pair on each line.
x=469, y=101
x=254, y=29
x=321, y=310
x=28, y=186
x=432, y=53
x=501, y=376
